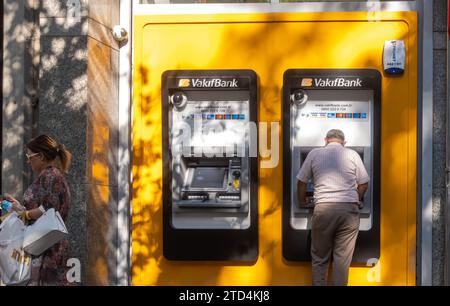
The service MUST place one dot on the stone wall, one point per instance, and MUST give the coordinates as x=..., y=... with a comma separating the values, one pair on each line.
x=19, y=90
x=78, y=106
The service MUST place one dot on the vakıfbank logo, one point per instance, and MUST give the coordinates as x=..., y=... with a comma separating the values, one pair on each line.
x=209, y=83
x=332, y=82
x=307, y=82
x=184, y=83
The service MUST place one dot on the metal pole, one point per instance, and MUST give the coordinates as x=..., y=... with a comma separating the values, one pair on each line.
x=123, y=252
x=425, y=144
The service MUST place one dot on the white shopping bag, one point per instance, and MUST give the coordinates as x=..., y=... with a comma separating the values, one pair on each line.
x=48, y=230
x=15, y=264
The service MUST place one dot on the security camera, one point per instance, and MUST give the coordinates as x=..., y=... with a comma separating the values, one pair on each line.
x=299, y=97
x=120, y=34
x=178, y=100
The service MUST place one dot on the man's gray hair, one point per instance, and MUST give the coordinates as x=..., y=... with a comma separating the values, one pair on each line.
x=335, y=133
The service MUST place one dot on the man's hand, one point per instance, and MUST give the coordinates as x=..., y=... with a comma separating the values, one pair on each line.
x=362, y=190
x=301, y=194
x=309, y=203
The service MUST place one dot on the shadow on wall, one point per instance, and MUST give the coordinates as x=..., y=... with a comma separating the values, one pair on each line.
x=77, y=79
x=147, y=163
x=19, y=91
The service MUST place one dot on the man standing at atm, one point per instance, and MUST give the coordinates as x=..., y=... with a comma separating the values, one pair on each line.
x=340, y=181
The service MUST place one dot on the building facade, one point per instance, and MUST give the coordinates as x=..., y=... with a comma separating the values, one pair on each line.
x=68, y=72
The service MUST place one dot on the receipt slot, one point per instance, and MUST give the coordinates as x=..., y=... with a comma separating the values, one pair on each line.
x=314, y=102
x=209, y=178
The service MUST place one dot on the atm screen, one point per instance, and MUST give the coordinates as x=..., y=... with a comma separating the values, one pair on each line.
x=303, y=156
x=347, y=110
x=209, y=177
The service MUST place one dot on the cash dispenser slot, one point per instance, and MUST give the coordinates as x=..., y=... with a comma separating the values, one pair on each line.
x=211, y=182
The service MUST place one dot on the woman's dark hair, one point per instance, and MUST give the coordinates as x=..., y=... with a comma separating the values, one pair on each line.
x=51, y=150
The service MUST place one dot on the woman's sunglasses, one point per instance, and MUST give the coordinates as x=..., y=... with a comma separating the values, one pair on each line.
x=31, y=155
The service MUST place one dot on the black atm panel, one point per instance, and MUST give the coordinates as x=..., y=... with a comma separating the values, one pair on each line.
x=210, y=194
x=314, y=101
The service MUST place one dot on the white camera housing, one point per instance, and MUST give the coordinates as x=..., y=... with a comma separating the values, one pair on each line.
x=120, y=34
x=299, y=97
x=178, y=100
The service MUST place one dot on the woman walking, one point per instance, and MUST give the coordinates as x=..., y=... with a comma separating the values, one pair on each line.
x=49, y=160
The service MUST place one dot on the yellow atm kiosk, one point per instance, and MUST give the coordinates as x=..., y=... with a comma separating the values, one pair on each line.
x=271, y=43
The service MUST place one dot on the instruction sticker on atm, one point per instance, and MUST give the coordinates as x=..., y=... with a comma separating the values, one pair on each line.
x=215, y=123
x=338, y=110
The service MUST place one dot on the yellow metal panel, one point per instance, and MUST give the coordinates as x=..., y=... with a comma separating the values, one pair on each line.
x=270, y=44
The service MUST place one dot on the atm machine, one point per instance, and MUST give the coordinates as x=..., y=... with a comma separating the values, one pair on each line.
x=315, y=101
x=210, y=180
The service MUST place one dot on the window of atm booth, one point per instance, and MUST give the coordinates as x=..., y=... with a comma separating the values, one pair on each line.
x=200, y=1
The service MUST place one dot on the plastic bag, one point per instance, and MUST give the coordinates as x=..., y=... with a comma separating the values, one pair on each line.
x=15, y=263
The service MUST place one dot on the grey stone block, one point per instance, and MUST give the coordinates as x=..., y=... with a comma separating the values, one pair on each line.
x=59, y=8
x=439, y=162
x=63, y=107
x=105, y=12
x=58, y=51
x=440, y=40
x=440, y=15
x=15, y=85
x=61, y=26
x=439, y=73
x=438, y=253
x=76, y=174
x=76, y=225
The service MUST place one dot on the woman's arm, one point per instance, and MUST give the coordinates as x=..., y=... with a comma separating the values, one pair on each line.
x=32, y=214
